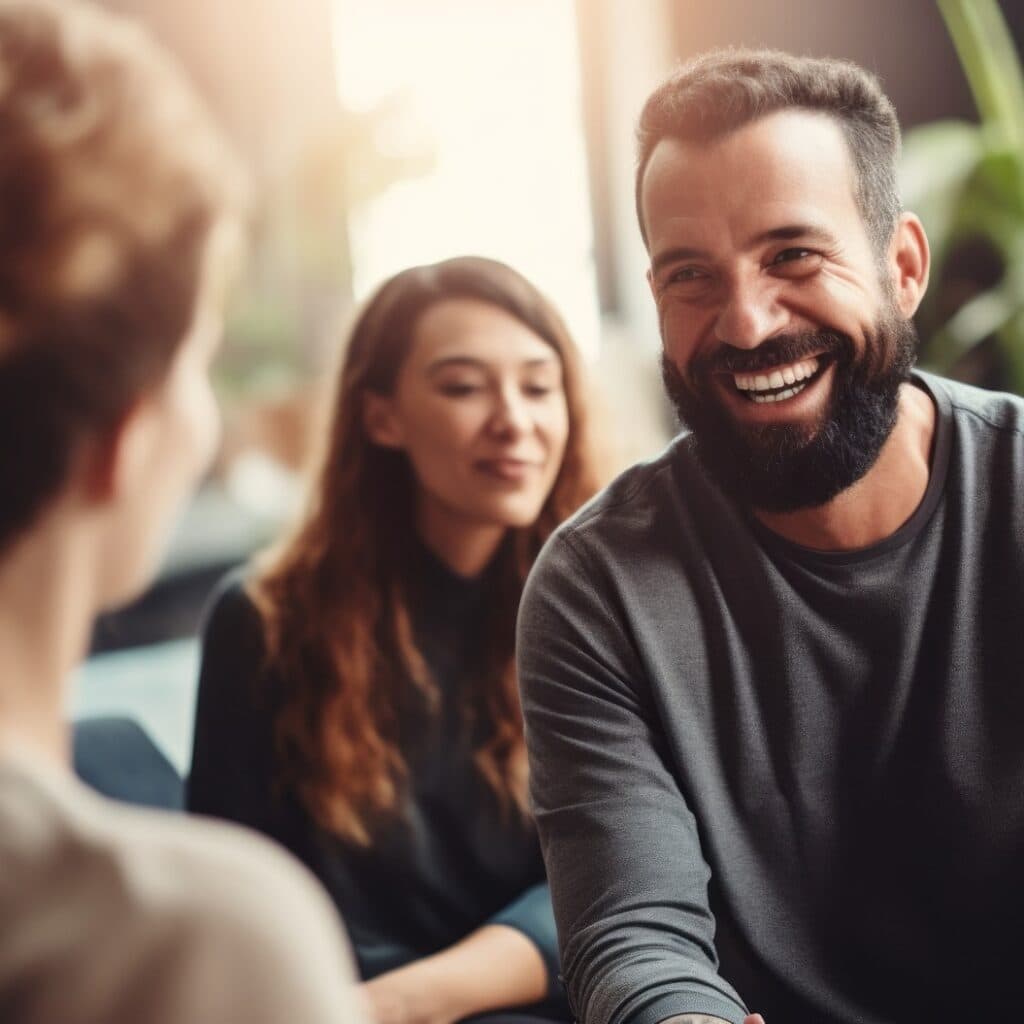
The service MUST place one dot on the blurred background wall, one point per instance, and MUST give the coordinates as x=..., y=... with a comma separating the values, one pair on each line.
x=400, y=131
x=387, y=132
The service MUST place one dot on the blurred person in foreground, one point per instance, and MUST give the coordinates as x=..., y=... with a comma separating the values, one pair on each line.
x=119, y=217
x=772, y=679
x=357, y=698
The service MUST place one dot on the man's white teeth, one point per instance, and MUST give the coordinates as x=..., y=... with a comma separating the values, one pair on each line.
x=780, y=377
x=778, y=396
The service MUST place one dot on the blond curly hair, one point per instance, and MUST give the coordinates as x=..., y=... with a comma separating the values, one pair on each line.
x=112, y=176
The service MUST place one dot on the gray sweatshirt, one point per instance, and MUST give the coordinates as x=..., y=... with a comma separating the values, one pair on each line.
x=782, y=779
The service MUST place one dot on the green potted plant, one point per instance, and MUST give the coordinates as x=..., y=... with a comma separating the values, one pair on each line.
x=966, y=180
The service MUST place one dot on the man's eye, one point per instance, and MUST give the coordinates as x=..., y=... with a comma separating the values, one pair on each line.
x=792, y=255
x=684, y=274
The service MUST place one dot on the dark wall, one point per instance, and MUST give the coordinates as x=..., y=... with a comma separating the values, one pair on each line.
x=905, y=42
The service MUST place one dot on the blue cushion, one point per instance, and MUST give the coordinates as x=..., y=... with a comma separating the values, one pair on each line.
x=116, y=757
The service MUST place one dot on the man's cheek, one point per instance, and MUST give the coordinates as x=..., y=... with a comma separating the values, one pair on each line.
x=682, y=351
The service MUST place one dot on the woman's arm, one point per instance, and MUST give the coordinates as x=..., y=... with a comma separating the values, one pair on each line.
x=495, y=967
x=230, y=771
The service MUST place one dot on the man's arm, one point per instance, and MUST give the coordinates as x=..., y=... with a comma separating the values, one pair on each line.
x=700, y=1018
x=628, y=878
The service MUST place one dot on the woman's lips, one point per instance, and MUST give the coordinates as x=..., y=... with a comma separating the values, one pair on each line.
x=504, y=469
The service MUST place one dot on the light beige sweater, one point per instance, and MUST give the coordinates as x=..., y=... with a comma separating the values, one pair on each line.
x=112, y=915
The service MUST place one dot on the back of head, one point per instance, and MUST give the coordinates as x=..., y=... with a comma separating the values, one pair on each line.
x=111, y=180
x=723, y=90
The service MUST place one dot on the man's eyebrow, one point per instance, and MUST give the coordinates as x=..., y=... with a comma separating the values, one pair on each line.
x=783, y=233
x=677, y=255
x=792, y=232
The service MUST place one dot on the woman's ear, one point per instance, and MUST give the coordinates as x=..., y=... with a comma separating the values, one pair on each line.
x=379, y=419
x=909, y=263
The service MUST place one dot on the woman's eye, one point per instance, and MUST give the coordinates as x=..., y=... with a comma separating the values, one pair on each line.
x=457, y=389
x=537, y=390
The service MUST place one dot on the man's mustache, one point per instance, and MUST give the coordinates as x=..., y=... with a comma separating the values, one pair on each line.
x=777, y=351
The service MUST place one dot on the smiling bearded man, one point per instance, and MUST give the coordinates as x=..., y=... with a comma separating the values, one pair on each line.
x=784, y=467
x=771, y=678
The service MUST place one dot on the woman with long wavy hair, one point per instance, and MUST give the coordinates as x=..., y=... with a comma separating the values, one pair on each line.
x=357, y=698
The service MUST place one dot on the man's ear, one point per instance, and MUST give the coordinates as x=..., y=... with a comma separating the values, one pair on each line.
x=114, y=460
x=909, y=262
x=381, y=423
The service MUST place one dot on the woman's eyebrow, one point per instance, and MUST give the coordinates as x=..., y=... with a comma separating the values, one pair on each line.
x=445, y=362
x=472, y=362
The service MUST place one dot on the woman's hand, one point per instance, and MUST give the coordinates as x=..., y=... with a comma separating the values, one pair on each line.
x=493, y=968
x=398, y=998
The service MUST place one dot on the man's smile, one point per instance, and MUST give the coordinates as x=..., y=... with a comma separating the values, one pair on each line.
x=779, y=383
x=780, y=392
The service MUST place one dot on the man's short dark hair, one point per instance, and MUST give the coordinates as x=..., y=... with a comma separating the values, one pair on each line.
x=720, y=91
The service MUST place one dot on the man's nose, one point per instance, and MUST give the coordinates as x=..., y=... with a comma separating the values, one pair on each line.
x=749, y=314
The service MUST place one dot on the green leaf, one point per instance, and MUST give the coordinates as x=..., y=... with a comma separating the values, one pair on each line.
x=937, y=159
x=999, y=177
x=1011, y=340
x=991, y=64
x=984, y=315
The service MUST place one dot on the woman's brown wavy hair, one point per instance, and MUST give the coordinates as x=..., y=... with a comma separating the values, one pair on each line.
x=333, y=594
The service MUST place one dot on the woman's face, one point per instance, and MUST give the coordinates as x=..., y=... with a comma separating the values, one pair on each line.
x=479, y=407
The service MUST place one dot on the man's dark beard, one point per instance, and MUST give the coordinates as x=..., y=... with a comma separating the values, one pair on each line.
x=784, y=467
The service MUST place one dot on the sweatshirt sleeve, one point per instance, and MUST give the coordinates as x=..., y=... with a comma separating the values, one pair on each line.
x=231, y=770
x=532, y=915
x=628, y=878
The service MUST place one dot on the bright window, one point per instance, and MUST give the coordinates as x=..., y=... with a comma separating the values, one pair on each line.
x=491, y=90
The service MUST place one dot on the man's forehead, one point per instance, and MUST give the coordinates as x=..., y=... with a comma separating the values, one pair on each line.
x=787, y=158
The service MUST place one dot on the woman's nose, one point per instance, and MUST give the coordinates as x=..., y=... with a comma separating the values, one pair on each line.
x=511, y=415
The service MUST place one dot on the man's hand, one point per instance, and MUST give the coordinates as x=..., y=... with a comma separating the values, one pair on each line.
x=703, y=1018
